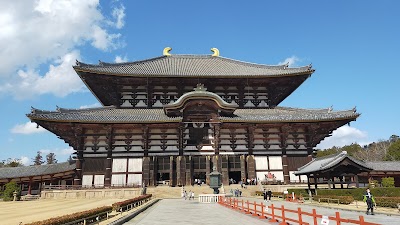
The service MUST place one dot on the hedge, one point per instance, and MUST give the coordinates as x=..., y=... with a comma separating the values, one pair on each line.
x=358, y=193
x=387, y=201
x=342, y=199
x=116, y=206
x=72, y=217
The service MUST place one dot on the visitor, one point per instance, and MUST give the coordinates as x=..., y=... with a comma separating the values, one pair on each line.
x=192, y=195
x=369, y=199
x=185, y=194
x=269, y=193
x=265, y=195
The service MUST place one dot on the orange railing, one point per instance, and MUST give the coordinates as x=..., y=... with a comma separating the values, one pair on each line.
x=278, y=214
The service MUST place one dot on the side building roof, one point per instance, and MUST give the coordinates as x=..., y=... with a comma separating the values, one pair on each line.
x=31, y=171
x=325, y=163
x=191, y=66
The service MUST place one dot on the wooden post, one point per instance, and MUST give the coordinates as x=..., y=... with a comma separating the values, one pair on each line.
x=30, y=186
x=273, y=219
x=314, y=215
x=357, y=182
x=300, y=216
x=337, y=215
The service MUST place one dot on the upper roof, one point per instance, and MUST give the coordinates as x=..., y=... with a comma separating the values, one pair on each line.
x=112, y=114
x=31, y=171
x=191, y=66
x=328, y=162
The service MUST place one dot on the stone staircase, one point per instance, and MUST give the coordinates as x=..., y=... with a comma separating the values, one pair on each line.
x=175, y=192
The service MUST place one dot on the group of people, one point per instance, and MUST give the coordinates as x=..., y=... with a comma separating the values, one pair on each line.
x=236, y=192
x=267, y=195
x=187, y=195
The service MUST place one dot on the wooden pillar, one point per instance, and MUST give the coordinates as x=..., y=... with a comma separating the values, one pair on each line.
x=172, y=177
x=217, y=129
x=30, y=186
x=341, y=182
x=243, y=167
x=78, y=169
x=154, y=171
x=189, y=170
x=308, y=182
x=251, y=166
x=146, y=171
x=180, y=170
x=286, y=176
x=181, y=131
x=356, y=180
x=250, y=139
x=208, y=169
x=109, y=148
x=224, y=168
x=333, y=182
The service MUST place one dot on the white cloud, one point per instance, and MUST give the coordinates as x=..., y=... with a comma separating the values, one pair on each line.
x=119, y=59
x=42, y=31
x=94, y=105
x=60, y=80
x=25, y=161
x=119, y=15
x=345, y=135
x=292, y=61
x=27, y=128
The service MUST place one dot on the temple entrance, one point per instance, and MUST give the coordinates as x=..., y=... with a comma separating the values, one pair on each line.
x=234, y=177
x=199, y=177
x=163, y=178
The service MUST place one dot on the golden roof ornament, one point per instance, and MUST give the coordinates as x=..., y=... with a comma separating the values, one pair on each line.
x=200, y=87
x=166, y=51
x=215, y=51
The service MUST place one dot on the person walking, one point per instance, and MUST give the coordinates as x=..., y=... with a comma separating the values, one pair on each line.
x=265, y=194
x=269, y=193
x=370, y=200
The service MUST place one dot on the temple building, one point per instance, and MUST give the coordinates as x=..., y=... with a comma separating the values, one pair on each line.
x=172, y=118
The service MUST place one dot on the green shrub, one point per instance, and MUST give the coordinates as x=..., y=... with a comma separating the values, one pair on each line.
x=342, y=199
x=298, y=192
x=8, y=193
x=358, y=193
x=387, y=201
x=388, y=181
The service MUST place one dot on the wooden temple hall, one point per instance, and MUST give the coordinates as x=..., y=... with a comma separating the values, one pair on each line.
x=172, y=118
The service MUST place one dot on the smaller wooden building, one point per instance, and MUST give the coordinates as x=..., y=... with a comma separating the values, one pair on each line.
x=32, y=178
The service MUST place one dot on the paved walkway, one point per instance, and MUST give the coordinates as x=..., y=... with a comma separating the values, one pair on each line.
x=179, y=211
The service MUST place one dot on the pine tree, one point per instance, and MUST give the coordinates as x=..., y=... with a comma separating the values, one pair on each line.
x=51, y=158
x=38, y=160
x=71, y=160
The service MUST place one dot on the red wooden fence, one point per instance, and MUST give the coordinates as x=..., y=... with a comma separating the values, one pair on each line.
x=258, y=209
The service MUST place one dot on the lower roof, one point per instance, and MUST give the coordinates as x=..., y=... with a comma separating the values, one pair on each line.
x=112, y=114
x=31, y=171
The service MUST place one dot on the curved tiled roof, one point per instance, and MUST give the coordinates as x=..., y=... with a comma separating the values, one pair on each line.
x=191, y=66
x=327, y=162
x=31, y=171
x=384, y=165
x=135, y=115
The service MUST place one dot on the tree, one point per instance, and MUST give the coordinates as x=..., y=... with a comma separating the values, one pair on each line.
x=375, y=151
x=393, y=153
x=51, y=158
x=38, y=160
x=11, y=163
x=393, y=138
x=8, y=193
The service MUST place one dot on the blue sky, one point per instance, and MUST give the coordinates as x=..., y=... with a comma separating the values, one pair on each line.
x=353, y=45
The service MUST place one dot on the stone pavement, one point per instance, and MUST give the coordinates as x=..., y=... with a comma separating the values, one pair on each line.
x=179, y=211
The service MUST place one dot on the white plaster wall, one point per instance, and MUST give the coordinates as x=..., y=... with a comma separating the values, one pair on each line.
x=134, y=179
x=87, y=180
x=118, y=179
x=275, y=162
x=135, y=165
x=261, y=162
x=99, y=180
x=119, y=165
